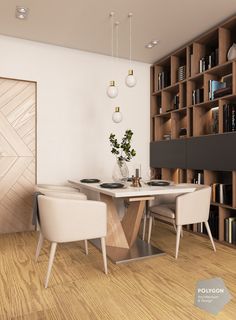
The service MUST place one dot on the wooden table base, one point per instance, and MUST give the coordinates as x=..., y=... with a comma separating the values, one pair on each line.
x=122, y=244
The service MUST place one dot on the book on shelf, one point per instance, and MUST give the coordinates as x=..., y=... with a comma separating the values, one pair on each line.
x=197, y=96
x=222, y=193
x=167, y=136
x=209, y=61
x=176, y=101
x=230, y=230
x=215, y=120
x=198, y=178
x=181, y=73
x=200, y=227
x=222, y=92
x=229, y=117
x=213, y=86
x=162, y=80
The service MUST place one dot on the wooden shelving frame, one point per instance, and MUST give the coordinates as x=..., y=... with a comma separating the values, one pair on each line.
x=195, y=118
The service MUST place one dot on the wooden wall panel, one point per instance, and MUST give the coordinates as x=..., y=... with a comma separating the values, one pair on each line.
x=17, y=154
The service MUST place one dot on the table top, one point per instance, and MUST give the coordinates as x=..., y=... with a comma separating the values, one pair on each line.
x=129, y=191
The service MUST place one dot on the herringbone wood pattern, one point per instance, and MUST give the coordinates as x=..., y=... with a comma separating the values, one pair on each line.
x=17, y=154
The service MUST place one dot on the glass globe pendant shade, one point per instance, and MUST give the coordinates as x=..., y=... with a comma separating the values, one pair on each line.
x=112, y=90
x=130, y=79
x=117, y=115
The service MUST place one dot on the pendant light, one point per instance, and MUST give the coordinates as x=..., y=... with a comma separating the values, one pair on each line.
x=117, y=115
x=130, y=79
x=112, y=90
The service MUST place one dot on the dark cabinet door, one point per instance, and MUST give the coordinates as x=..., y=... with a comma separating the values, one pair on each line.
x=168, y=154
x=215, y=152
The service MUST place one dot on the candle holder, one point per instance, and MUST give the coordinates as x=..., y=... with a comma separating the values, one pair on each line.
x=136, y=182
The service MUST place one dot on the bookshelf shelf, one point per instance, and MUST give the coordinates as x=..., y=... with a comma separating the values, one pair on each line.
x=188, y=103
x=222, y=205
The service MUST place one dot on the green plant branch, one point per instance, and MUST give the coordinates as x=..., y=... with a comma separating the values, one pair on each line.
x=123, y=150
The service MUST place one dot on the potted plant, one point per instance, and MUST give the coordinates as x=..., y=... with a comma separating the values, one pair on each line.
x=124, y=153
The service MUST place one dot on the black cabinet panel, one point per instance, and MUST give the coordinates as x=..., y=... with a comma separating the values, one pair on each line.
x=168, y=154
x=216, y=152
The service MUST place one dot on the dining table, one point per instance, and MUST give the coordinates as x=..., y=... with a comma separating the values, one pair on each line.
x=122, y=241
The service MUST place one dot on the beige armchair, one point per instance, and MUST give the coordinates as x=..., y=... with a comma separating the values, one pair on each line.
x=62, y=195
x=67, y=220
x=189, y=208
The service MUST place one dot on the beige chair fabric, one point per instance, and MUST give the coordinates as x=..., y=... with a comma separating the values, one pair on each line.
x=67, y=220
x=62, y=195
x=58, y=188
x=190, y=208
x=163, y=203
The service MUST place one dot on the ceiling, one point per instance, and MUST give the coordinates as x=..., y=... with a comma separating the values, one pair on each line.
x=85, y=24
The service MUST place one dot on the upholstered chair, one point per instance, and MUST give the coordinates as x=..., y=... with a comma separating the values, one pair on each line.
x=189, y=208
x=68, y=220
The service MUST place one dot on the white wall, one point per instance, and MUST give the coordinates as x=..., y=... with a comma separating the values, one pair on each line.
x=73, y=111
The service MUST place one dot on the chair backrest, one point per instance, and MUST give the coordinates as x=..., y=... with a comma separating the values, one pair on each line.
x=59, y=188
x=171, y=198
x=64, y=195
x=193, y=207
x=65, y=220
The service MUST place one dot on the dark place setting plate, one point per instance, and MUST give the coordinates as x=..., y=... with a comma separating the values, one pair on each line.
x=158, y=183
x=90, y=180
x=113, y=185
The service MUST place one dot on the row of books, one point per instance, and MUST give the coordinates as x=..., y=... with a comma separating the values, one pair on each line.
x=222, y=193
x=229, y=117
x=197, y=96
x=162, y=80
x=198, y=178
x=209, y=61
x=230, y=230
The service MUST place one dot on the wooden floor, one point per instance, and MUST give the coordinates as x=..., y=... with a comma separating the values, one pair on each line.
x=156, y=289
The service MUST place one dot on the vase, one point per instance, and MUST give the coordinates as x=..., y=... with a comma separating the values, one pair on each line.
x=120, y=172
x=231, y=55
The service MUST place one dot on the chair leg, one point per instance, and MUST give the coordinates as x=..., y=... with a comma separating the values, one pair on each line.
x=182, y=232
x=210, y=235
x=86, y=246
x=150, y=228
x=144, y=225
x=177, y=241
x=39, y=246
x=104, y=254
x=50, y=263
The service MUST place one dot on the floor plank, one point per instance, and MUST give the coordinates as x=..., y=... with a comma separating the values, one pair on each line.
x=159, y=288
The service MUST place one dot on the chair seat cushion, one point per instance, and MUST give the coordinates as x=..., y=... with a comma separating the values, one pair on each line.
x=165, y=210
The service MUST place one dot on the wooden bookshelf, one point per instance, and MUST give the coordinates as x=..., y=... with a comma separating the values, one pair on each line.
x=176, y=115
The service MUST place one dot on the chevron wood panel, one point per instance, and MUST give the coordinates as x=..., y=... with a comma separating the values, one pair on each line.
x=17, y=154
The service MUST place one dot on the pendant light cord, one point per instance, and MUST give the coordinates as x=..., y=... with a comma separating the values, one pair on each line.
x=112, y=33
x=117, y=38
x=130, y=37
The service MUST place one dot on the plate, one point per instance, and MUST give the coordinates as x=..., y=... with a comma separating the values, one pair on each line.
x=90, y=180
x=113, y=185
x=158, y=183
